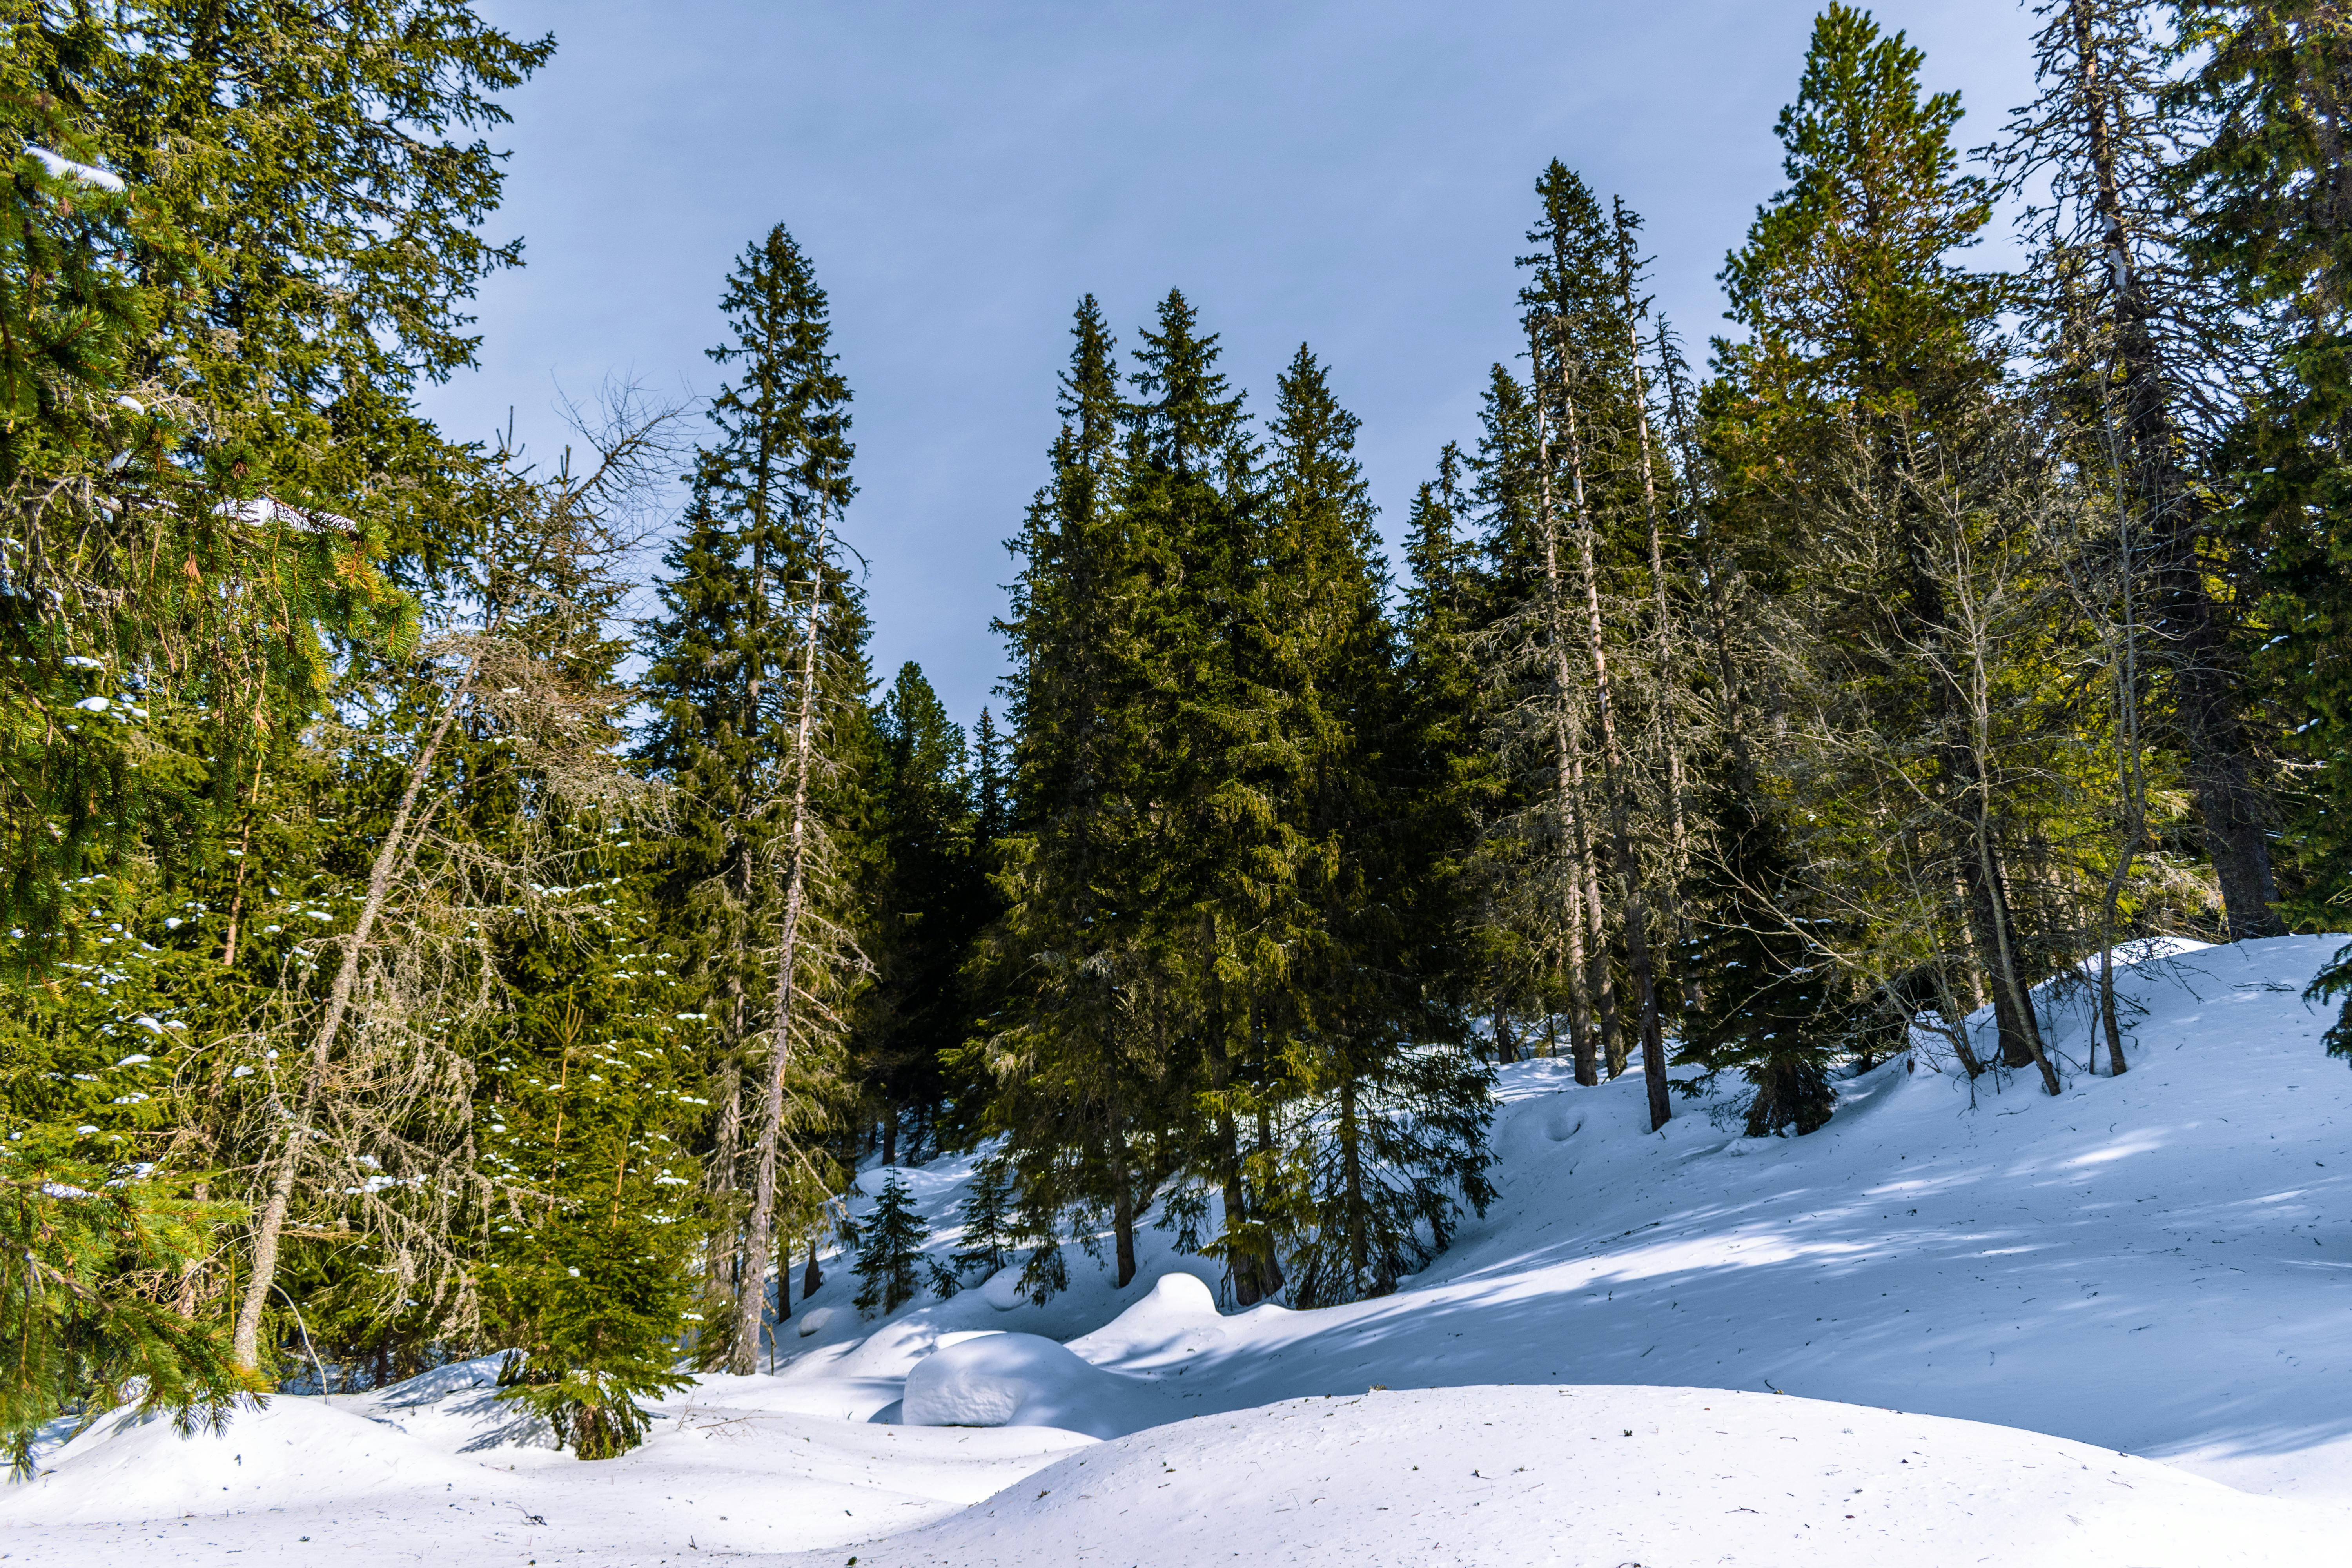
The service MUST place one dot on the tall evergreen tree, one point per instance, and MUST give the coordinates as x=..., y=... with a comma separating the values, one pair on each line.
x=1582, y=342
x=1874, y=359
x=2272, y=230
x=1387, y=1112
x=758, y=686
x=1078, y=1071
x=928, y=907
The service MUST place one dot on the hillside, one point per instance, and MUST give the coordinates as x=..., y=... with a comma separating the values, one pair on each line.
x=2160, y=1265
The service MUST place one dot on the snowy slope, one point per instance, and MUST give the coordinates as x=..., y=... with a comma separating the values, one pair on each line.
x=1599, y=1477
x=2159, y=1264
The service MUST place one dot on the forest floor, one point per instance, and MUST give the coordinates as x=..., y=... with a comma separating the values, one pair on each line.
x=1955, y=1325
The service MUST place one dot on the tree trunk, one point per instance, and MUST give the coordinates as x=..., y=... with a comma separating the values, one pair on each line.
x=1589, y=976
x=758, y=1239
x=1351, y=1182
x=1618, y=788
x=1240, y=1264
x=1269, y=1266
x=1669, y=738
x=1122, y=1184
x=244, y=1344
x=2207, y=706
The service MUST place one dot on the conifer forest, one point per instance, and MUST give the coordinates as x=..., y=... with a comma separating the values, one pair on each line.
x=463, y=901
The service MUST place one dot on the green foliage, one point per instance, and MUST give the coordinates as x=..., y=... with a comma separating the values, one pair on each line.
x=103, y=1193
x=890, y=1248
x=592, y=1245
x=2270, y=86
x=1771, y=1004
x=930, y=901
x=987, y=1214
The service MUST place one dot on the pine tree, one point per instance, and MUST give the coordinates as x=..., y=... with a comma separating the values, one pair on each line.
x=2271, y=234
x=485, y=746
x=2135, y=342
x=1768, y=1000
x=987, y=1214
x=1224, y=904
x=591, y=1274
x=1870, y=377
x=1542, y=917
x=890, y=1247
x=1388, y=1112
x=930, y=905
x=1077, y=1074
x=759, y=685
x=1582, y=328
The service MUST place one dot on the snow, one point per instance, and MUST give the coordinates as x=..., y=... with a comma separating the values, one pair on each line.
x=263, y=511
x=1025, y=1380
x=1606, y=1476
x=2126, y=1314
x=60, y=166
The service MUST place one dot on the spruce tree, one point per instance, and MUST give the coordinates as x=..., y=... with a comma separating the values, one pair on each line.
x=1540, y=917
x=1871, y=376
x=928, y=906
x=987, y=1214
x=2270, y=87
x=1388, y=1113
x=758, y=686
x=890, y=1248
x=1222, y=903
x=1075, y=1046
x=2135, y=339
x=581, y=1109
x=1767, y=1000
x=1579, y=325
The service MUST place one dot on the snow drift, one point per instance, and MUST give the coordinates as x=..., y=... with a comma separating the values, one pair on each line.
x=1606, y=1476
x=1022, y=1380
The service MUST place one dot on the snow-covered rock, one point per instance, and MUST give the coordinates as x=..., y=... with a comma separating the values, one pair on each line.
x=1023, y=1380
x=1003, y=1288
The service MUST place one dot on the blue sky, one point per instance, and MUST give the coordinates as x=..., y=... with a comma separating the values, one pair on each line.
x=1355, y=175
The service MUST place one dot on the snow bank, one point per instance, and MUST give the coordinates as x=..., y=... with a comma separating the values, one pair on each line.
x=1024, y=1380
x=1603, y=1476
x=1178, y=1318
x=128, y=1467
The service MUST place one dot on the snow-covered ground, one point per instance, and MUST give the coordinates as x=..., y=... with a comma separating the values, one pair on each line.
x=2148, y=1276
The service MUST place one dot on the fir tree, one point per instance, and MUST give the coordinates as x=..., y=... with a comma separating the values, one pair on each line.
x=929, y=908
x=759, y=685
x=1069, y=1049
x=1871, y=377
x=591, y=1274
x=1390, y=1113
x=2268, y=230
x=1580, y=326
x=889, y=1250
x=987, y=1214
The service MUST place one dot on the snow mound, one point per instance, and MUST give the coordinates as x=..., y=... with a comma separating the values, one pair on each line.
x=1178, y=1318
x=126, y=1467
x=1601, y=1476
x=1025, y=1380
